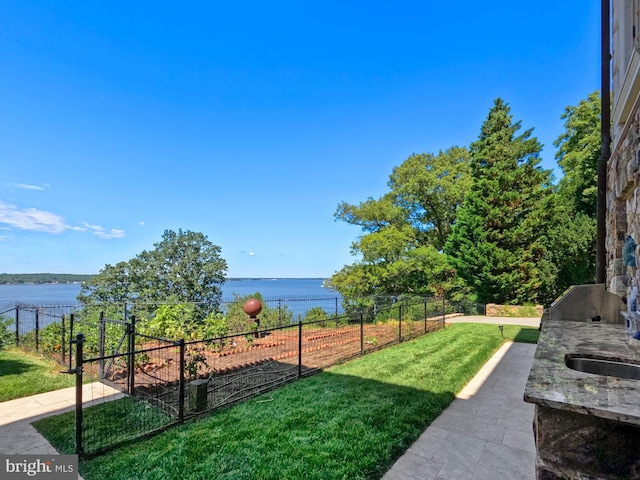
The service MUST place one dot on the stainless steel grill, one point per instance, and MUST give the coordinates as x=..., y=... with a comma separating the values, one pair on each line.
x=588, y=303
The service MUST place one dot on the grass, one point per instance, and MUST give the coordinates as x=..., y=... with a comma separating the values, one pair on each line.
x=350, y=422
x=23, y=374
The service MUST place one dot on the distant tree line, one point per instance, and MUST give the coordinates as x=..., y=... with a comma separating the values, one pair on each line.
x=20, y=278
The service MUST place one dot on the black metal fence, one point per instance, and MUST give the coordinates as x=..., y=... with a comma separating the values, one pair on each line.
x=129, y=384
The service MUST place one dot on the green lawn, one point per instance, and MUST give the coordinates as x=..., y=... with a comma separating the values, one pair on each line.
x=350, y=422
x=23, y=374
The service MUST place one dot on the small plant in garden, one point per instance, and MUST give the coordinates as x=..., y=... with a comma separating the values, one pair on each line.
x=371, y=341
x=196, y=362
x=50, y=338
x=141, y=359
x=215, y=326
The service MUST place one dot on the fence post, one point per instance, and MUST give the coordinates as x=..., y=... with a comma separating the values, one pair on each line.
x=299, y=349
x=131, y=332
x=70, y=339
x=63, y=347
x=101, y=346
x=78, y=371
x=400, y=323
x=37, y=329
x=361, y=333
x=182, y=380
x=444, y=310
x=17, y=325
x=425, y=316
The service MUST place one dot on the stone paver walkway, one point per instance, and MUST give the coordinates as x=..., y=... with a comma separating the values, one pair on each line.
x=486, y=433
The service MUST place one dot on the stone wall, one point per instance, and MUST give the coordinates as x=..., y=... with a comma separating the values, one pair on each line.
x=623, y=208
x=574, y=446
x=495, y=310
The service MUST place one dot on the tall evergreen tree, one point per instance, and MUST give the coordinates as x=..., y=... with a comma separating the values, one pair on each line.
x=498, y=244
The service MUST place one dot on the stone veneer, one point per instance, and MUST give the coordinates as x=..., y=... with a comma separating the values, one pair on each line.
x=623, y=206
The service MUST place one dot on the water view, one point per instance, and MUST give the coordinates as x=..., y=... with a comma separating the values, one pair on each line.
x=281, y=288
x=292, y=291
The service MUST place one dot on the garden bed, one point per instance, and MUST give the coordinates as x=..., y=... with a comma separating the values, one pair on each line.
x=248, y=364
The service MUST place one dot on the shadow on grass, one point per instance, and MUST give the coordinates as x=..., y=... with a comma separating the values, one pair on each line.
x=341, y=425
x=527, y=335
x=16, y=367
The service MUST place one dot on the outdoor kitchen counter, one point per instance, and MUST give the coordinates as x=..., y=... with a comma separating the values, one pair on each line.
x=552, y=384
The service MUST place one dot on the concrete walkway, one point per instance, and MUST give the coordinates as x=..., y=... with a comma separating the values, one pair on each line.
x=487, y=432
x=17, y=435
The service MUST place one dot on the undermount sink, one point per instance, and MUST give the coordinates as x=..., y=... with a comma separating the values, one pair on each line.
x=601, y=366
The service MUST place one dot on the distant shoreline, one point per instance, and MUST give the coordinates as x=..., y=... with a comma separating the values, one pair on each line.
x=73, y=279
x=235, y=279
x=42, y=278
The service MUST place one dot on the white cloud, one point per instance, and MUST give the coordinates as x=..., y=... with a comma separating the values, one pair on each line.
x=141, y=224
x=251, y=254
x=28, y=187
x=35, y=220
x=31, y=219
x=101, y=232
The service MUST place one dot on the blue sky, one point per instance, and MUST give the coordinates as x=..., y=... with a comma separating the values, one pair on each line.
x=250, y=121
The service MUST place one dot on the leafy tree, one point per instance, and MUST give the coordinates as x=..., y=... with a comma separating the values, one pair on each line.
x=184, y=267
x=405, y=229
x=499, y=243
x=573, y=247
x=574, y=237
x=425, y=192
x=114, y=284
x=578, y=153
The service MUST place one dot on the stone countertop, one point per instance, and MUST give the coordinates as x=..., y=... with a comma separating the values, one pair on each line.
x=552, y=384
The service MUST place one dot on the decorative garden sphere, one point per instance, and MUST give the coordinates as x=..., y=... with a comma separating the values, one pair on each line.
x=252, y=307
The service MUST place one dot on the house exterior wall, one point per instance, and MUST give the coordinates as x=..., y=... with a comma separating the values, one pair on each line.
x=623, y=169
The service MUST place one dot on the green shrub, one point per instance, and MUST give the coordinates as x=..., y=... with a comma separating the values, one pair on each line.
x=50, y=338
x=7, y=337
x=172, y=322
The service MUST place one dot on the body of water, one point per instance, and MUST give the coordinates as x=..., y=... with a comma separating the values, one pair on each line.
x=276, y=288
